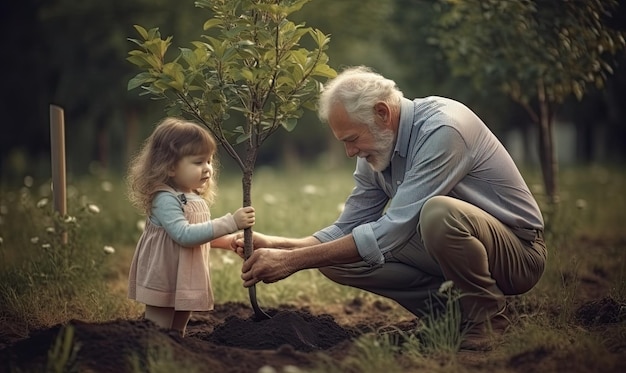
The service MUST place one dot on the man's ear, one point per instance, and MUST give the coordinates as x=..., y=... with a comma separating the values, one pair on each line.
x=382, y=113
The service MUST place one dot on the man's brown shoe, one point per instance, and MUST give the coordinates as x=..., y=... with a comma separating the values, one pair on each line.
x=482, y=336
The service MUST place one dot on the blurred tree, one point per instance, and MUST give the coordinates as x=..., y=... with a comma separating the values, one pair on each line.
x=422, y=69
x=357, y=28
x=538, y=52
x=250, y=65
x=86, y=45
x=24, y=80
x=72, y=54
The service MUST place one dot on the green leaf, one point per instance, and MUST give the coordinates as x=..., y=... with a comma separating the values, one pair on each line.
x=203, y=3
x=213, y=22
x=325, y=71
x=189, y=56
x=135, y=41
x=289, y=124
x=137, y=60
x=320, y=38
x=142, y=31
x=282, y=11
x=140, y=79
x=242, y=138
x=247, y=74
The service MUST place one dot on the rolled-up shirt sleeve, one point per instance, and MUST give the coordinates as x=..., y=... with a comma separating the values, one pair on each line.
x=366, y=203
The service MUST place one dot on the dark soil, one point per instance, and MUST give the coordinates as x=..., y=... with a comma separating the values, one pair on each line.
x=298, y=329
x=229, y=339
x=603, y=311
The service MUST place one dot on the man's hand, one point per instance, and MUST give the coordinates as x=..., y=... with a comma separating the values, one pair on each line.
x=273, y=264
x=267, y=265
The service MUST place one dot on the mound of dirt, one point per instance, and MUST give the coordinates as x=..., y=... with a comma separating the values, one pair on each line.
x=298, y=329
x=603, y=311
x=226, y=340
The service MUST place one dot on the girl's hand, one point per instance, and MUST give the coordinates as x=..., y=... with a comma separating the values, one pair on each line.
x=258, y=240
x=244, y=217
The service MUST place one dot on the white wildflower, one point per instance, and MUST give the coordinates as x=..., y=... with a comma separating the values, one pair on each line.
x=109, y=249
x=70, y=219
x=270, y=199
x=581, y=204
x=446, y=286
x=141, y=225
x=310, y=189
x=292, y=369
x=93, y=208
x=42, y=203
x=46, y=246
x=106, y=186
x=267, y=369
x=50, y=230
x=34, y=239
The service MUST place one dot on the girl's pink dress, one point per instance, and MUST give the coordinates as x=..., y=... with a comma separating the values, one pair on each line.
x=165, y=274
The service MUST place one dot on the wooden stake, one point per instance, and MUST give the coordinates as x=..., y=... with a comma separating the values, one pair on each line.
x=57, y=143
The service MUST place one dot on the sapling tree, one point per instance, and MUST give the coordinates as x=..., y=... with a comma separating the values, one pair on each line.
x=247, y=76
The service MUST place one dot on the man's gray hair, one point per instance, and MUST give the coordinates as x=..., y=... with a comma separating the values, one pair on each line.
x=358, y=89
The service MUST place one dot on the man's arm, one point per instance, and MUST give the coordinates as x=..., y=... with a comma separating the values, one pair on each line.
x=260, y=240
x=278, y=242
x=271, y=265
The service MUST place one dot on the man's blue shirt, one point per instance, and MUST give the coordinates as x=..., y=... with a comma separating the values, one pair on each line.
x=442, y=148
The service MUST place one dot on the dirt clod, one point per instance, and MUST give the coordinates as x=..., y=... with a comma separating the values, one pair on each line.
x=603, y=311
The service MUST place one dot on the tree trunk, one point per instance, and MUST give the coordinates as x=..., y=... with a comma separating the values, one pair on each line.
x=547, y=156
x=246, y=183
x=248, y=244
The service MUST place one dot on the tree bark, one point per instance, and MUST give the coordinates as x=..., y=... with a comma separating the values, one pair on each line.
x=547, y=154
x=246, y=183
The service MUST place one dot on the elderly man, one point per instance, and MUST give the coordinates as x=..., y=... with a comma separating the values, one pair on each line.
x=437, y=197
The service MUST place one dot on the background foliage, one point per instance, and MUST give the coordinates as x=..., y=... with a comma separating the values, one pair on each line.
x=73, y=55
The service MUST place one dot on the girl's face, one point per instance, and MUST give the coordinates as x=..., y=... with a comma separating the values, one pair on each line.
x=192, y=172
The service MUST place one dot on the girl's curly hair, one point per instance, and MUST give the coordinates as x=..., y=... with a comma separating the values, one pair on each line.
x=172, y=139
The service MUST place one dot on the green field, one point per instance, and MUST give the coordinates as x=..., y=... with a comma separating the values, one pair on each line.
x=44, y=282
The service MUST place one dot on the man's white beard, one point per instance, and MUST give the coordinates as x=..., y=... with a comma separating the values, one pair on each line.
x=385, y=140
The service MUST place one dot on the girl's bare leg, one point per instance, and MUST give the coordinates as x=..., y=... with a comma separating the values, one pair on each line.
x=162, y=316
x=180, y=320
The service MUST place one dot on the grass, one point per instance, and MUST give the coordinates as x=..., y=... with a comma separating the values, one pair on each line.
x=44, y=282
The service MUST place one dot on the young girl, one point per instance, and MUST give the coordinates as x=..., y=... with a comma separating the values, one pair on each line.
x=171, y=181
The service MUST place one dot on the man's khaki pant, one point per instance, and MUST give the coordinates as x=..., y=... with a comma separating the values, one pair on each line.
x=454, y=241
